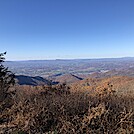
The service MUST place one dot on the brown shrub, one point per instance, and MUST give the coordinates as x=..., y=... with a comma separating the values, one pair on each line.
x=58, y=109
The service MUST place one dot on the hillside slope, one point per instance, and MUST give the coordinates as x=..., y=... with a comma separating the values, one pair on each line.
x=34, y=81
x=121, y=84
x=67, y=78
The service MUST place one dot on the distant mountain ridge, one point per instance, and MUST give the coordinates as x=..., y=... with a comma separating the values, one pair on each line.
x=51, y=60
x=33, y=81
x=37, y=80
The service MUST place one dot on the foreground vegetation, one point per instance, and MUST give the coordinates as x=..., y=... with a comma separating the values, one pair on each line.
x=58, y=110
x=61, y=109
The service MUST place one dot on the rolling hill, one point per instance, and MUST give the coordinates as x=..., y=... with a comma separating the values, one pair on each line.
x=34, y=81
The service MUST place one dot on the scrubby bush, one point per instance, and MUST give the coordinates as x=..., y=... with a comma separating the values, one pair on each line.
x=60, y=111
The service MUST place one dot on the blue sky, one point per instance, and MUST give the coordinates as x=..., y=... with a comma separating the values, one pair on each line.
x=66, y=29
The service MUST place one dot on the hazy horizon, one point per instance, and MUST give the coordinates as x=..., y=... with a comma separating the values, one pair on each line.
x=99, y=58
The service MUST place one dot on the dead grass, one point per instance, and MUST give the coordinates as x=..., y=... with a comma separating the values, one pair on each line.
x=60, y=110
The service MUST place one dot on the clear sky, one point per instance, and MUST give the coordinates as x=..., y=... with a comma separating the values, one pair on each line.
x=68, y=29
